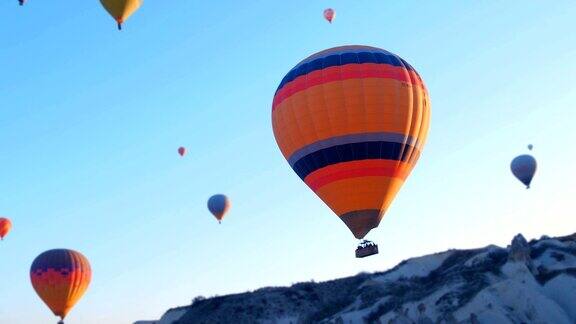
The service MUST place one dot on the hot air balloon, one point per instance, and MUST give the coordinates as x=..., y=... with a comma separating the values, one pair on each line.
x=530, y=147
x=181, y=150
x=60, y=277
x=5, y=227
x=120, y=10
x=218, y=205
x=352, y=121
x=329, y=14
x=21, y=2
x=524, y=167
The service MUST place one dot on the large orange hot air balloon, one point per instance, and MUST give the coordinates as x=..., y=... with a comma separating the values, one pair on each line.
x=60, y=277
x=219, y=205
x=120, y=10
x=329, y=14
x=352, y=122
x=5, y=227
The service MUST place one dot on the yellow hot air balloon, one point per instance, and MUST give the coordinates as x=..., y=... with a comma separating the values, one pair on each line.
x=352, y=122
x=120, y=10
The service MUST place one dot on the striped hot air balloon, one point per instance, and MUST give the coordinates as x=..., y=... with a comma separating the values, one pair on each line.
x=5, y=227
x=60, y=277
x=352, y=122
x=120, y=10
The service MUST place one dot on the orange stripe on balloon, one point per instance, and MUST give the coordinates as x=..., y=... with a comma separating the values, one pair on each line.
x=60, y=292
x=371, y=105
x=346, y=72
x=361, y=193
x=355, y=169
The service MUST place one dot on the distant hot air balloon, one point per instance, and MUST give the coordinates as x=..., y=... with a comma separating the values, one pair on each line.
x=181, y=150
x=530, y=147
x=5, y=227
x=524, y=167
x=21, y=2
x=352, y=122
x=60, y=277
x=329, y=14
x=120, y=10
x=218, y=205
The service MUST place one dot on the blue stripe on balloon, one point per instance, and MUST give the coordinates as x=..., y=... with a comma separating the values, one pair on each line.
x=377, y=150
x=343, y=59
x=54, y=259
x=348, y=139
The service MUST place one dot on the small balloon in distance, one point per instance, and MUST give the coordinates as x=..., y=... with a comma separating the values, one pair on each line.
x=5, y=227
x=219, y=205
x=329, y=14
x=523, y=167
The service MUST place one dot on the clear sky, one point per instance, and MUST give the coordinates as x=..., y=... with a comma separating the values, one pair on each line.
x=90, y=120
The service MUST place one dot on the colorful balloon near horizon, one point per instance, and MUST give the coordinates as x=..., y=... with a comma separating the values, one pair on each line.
x=182, y=151
x=219, y=205
x=329, y=14
x=60, y=277
x=524, y=167
x=121, y=10
x=5, y=227
x=352, y=122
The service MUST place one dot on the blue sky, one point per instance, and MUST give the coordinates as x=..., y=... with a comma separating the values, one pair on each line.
x=90, y=120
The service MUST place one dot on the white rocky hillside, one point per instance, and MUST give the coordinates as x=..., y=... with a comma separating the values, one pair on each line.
x=526, y=282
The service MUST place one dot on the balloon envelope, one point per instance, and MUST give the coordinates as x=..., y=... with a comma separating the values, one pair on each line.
x=524, y=167
x=352, y=121
x=60, y=277
x=5, y=227
x=120, y=10
x=181, y=151
x=219, y=205
x=329, y=14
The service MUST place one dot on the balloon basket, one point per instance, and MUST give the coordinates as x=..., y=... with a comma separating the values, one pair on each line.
x=366, y=248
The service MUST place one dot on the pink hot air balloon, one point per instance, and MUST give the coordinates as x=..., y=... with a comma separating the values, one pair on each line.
x=181, y=150
x=329, y=14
